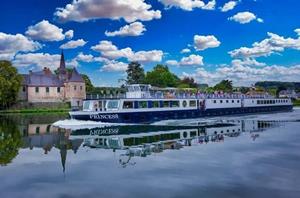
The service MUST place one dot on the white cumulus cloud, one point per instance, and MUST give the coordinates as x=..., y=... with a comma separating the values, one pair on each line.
x=39, y=60
x=46, y=31
x=192, y=60
x=129, y=10
x=113, y=66
x=69, y=34
x=189, y=5
x=73, y=44
x=110, y=51
x=205, y=42
x=11, y=44
x=229, y=6
x=245, y=17
x=185, y=50
x=133, y=29
x=244, y=75
x=210, y=5
x=266, y=47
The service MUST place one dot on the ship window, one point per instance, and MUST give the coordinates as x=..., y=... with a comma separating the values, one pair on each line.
x=174, y=103
x=215, y=101
x=238, y=101
x=86, y=105
x=166, y=103
x=184, y=103
x=142, y=104
x=227, y=101
x=155, y=104
x=112, y=104
x=232, y=101
x=221, y=101
x=192, y=103
x=128, y=105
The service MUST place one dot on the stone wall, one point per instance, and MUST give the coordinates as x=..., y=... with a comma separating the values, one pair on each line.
x=42, y=96
x=75, y=90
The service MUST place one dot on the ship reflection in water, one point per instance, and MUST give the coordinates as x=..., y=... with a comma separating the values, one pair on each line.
x=137, y=140
x=141, y=141
x=254, y=156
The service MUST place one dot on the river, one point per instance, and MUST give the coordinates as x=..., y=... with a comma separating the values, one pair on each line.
x=48, y=155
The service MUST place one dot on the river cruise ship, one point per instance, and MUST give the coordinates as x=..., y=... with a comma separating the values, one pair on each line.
x=141, y=105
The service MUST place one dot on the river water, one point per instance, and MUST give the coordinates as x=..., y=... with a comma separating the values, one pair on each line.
x=239, y=156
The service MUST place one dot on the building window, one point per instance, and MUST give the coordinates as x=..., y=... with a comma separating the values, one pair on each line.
x=24, y=89
x=80, y=87
x=37, y=90
x=37, y=130
x=58, y=89
x=75, y=87
x=47, y=90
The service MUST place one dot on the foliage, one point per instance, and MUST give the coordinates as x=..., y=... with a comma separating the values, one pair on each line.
x=160, y=76
x=188, y=82
x=244, y=90
x=135, y=73
x=10, y=83
x=278, y=85
x=88, y=84
x=10, y=141
x=224, y=85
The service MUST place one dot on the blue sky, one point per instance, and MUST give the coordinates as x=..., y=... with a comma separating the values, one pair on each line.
x=243, y=41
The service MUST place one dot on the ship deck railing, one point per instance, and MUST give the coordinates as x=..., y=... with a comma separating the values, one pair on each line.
x=182, y=96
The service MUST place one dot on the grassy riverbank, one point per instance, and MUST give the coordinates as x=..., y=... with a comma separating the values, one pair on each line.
x=296, y=103
x=35, y=110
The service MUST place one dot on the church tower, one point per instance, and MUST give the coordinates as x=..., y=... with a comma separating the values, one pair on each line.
x=62, y=72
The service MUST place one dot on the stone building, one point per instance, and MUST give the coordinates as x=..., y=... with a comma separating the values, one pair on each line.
x=67, y=85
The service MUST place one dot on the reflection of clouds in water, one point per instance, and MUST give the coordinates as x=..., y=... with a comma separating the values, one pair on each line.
x=237, y=167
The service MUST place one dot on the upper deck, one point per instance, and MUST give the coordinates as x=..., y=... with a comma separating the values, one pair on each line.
x=142, y=98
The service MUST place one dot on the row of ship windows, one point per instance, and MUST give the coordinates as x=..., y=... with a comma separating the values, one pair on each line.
x=271, y=101
x=157, y=104
x=258, y=101
x=227, y=101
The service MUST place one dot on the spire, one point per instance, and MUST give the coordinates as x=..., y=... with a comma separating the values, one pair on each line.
x=62, y=65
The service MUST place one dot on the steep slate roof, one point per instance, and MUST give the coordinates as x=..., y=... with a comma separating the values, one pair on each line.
x=75, y=77
x=46, y=78
x=43, y=78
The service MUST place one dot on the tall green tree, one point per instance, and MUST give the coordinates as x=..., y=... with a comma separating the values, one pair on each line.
x=10, y=83
x=188, y=82
x=224, y=85
x=160, y=76
x=135, y=73
x=88, y=84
